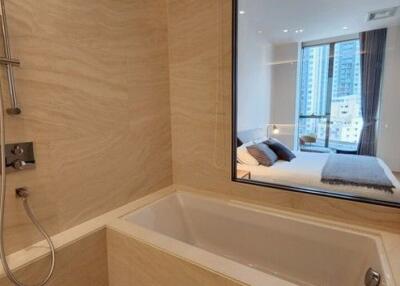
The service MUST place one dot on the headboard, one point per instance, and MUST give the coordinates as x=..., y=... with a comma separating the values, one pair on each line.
x=286, y=135
x=251, y=135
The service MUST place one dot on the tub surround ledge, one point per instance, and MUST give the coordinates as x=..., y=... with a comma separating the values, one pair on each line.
x=113, y=221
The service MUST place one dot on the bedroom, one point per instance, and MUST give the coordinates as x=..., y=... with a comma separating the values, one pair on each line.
x=317, y=97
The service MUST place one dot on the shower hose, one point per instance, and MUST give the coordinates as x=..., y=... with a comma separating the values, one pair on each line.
x=24, y=197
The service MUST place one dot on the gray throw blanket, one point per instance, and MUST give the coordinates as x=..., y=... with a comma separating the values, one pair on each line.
x=362, y=171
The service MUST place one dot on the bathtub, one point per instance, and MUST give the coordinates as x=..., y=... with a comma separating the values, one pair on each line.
x=257, y=245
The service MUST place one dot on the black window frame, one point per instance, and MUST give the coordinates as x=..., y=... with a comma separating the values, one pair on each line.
x=234, y=145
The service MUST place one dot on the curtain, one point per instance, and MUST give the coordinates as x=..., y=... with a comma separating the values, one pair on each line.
x=373, y=45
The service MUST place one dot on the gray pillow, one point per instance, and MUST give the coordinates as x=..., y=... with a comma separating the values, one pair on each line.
x=263, y=154
x=280, y=149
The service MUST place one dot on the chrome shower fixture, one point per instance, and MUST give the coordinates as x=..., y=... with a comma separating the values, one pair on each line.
x=19, y=157
x=15, y=157
x=9, y=62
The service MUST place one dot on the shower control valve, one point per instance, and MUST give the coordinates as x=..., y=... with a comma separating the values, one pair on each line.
x=19, y=156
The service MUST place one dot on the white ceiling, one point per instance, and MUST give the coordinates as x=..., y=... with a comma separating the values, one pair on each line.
x=318, y=18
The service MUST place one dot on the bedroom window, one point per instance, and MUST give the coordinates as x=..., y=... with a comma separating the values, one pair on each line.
x=330, y=97
x=315, y=99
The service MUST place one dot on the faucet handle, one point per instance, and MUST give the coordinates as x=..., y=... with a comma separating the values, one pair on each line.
x=17, y=150
x=19, y=164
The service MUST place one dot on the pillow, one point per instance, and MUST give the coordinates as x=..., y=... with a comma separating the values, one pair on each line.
x=280, y=149
x=263, y=154
x=260, y=140
x=244, y=157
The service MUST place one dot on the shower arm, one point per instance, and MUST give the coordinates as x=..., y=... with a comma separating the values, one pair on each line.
x=8, y=61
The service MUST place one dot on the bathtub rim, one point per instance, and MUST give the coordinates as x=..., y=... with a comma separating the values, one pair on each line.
x=143, y=233
x=303, y=218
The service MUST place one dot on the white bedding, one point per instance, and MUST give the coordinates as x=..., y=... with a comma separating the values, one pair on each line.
x=305, y=171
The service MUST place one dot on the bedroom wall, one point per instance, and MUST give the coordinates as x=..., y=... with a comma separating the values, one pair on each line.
x=254, y=74
x=93, y=88
x=267, y=82
x=284, y=90
x=200, y=90
x=389, y=128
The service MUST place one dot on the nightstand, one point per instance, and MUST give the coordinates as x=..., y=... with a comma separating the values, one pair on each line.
x=243, y=174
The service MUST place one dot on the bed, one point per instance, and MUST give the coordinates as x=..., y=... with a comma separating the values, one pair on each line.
x=305, y=171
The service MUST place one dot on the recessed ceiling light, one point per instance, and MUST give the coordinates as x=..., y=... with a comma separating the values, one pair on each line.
x=259, y=32
x=286, y=30
x=299, y=31
x=242, y=12
x=345, y=28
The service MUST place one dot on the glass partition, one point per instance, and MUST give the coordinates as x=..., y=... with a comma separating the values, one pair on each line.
x=316, y=97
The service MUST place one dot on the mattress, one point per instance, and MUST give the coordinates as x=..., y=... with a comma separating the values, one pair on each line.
x=305, y=171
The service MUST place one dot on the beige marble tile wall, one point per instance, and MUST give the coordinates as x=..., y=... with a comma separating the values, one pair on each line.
x=131, y=262
x=93, y=88
x=83, y=263
x=200, y=91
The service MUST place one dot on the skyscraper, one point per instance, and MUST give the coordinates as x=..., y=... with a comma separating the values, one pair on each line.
x=346, y=76
x=346, y=119
x=314, y=80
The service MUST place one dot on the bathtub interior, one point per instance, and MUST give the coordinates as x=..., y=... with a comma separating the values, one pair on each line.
x=297, y=251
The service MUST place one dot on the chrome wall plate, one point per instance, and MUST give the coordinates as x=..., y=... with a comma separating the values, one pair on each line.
x=19, y=157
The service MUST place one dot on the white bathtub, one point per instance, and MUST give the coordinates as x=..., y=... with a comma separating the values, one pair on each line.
x=278, y=248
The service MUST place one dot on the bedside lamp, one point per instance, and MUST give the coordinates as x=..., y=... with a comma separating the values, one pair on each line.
x=275, y=129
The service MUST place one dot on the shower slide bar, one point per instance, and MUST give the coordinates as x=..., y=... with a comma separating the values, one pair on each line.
x=9, y=62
